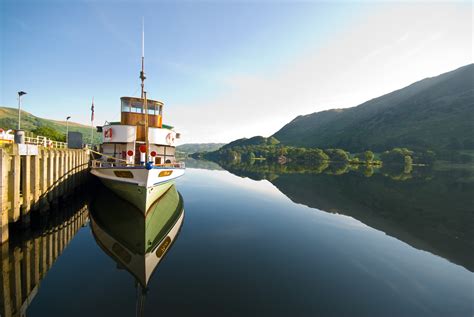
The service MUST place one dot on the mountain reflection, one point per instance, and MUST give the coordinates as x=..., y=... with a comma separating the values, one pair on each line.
x=430, y=210
x=137, y=243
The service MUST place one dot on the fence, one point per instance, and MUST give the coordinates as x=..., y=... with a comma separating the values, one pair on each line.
x=44, y=141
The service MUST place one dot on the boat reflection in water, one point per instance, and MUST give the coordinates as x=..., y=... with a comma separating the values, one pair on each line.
x=136, y=242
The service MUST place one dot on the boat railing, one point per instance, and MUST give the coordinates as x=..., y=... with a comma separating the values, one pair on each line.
x=120, y=163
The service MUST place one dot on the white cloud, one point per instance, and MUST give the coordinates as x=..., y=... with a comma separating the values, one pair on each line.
x=393, y=47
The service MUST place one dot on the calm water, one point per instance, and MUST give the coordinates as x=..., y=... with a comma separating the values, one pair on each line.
x=292, y=244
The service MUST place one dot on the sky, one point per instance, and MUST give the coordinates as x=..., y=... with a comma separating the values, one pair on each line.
x=224, y=69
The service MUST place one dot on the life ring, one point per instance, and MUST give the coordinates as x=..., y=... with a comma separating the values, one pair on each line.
x=170, y=138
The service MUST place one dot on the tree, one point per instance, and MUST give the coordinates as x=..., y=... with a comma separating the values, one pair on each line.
x=338, y=155
x=369, y=156
x=396, y=156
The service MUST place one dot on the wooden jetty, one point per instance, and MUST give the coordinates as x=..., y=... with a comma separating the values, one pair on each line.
x=26, y=260
x=33, y=177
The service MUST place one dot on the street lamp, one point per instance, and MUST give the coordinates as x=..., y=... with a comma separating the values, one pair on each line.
x=67, y=128
x=20, y=93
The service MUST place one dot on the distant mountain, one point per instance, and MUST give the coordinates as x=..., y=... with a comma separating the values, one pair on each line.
x=191, y=148
x=435, y=113
x=256, y=140
x=29, y=122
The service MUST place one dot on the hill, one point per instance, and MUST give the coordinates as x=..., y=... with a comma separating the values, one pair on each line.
x=29, y=122
x=191, y=148
x=256, y=140
x=434, y=113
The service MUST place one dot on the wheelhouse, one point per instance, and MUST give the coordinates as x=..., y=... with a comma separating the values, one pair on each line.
x=125, y=140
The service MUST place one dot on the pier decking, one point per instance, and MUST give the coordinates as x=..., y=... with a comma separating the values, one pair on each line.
x=33, y=177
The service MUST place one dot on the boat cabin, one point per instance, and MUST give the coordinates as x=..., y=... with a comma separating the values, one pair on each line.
x=125, y=140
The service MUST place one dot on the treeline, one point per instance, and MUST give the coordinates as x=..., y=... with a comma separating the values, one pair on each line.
x=258, y=170
x=286, y=154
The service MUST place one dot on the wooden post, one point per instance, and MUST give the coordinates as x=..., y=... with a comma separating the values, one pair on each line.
x=75, y=165
x=60, y=178
x=67, y=167
x=17, y=277
x=44, y=182
x=35, y=180
x=56, y=174
x=44, y=171
x=51, y=160
x=50, y=250
x=44, y=255
x=14, y=186
x=36, y=260
x=26, y=248
x=4, y=204
x=5, y=281
x=26, y=185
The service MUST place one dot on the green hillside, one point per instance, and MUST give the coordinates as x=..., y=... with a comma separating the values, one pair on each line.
x=191, y=148
x=435, y=113
x=256, y=140
x=29, y=122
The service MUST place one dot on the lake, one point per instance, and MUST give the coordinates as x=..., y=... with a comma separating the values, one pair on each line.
x=269, y=243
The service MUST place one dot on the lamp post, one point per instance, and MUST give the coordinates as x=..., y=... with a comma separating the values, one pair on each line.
x=67, y=129
x=20, y=93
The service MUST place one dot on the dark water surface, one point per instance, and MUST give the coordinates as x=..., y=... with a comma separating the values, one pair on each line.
x=296, y=244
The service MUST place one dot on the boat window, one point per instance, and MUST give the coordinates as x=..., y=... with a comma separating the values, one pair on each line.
x=152, y=108
x=126, y=106
x=137, y=106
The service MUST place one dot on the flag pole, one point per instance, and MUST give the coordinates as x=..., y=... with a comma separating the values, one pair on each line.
x=92, y=122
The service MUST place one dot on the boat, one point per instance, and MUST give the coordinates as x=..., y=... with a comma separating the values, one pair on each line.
x=137, y=158
x=137, y=243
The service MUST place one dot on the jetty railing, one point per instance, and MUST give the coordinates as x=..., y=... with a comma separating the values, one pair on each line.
x=44, y=141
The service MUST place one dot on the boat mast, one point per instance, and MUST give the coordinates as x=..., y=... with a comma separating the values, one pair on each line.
x=142, y=73
x=145, y=105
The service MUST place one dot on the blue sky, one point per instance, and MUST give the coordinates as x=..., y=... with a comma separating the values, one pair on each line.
x=220, y=66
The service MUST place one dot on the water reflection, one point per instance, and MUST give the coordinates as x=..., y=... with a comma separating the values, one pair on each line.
x=29, y=255
x=429, y=209
x=137, y=243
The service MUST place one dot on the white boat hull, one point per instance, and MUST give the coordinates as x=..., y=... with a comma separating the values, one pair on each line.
x=139, y=186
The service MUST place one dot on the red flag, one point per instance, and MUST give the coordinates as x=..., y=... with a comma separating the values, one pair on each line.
x=92, y=110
